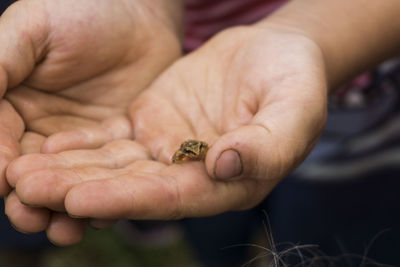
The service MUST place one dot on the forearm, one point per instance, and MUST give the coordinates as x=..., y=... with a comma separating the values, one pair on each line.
x=353, y=35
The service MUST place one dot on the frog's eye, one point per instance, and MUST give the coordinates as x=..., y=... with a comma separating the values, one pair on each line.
x=188, y=151
x=204, y=146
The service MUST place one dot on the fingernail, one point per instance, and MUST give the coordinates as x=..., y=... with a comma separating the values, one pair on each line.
x=228, y=165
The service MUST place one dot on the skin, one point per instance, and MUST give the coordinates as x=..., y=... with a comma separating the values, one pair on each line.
x=61, y=229
x=260, y=113
x=11, y=130
x=192, y=110
x=105, y=71
x=105, y=48
x=351, y=41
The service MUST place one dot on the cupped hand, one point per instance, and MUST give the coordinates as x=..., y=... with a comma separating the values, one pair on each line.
x=75, y=66
x=256, y=94
x=72, y=68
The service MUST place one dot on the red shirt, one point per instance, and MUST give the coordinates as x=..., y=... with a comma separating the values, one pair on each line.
x=204, y=18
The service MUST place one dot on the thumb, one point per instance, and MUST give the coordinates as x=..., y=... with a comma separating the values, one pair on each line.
x=22, y=42
x=247, y=152
x=265, y=149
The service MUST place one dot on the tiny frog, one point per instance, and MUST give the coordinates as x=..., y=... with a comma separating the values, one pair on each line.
x=190, y=150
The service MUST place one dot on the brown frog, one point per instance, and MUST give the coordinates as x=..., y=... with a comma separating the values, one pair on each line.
x=190, y=150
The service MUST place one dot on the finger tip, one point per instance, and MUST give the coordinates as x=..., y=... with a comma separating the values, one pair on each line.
x=24, y=191
x=5, y=182
x=224, y=160
x=31, y=188
x=119, y=126
x=62, y=141
x=12, y=173
x=65, y=231
x=84, y=201
x=166, y=158
x=26, y=219
x=95, y=199
x=52, y=145
x=73, y=202
x=21, y=166
x=228, y=165
x=62, y=240
x=47, y=148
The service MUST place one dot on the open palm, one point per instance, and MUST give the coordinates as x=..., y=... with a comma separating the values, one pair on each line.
x=256, y=95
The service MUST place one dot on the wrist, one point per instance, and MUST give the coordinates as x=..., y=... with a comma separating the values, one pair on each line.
x=159, y=26
x=305, y=34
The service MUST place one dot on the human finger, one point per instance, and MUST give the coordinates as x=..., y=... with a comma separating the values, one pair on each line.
x=89, y=137
x=24, y=218
x=22, y=44
x=11, y=130
x=31, y=142
x=27, y=219
x=173, y=192
x=271, y=145
x=64, y=230
x=48, y=188
x=115, y=154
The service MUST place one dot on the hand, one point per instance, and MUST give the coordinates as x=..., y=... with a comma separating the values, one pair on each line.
x=80, y=65
x=11, y=130
x=257, y=95
x=62, y=229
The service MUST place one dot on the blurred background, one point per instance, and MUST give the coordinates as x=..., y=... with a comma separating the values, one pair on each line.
x=99, y=248
x=339, y=208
